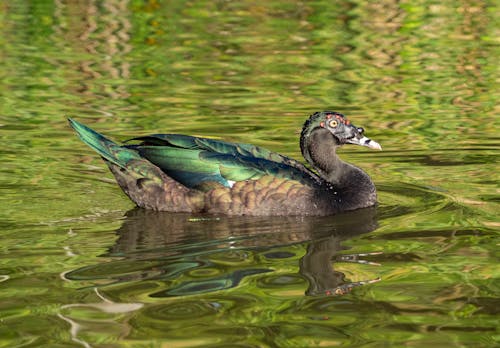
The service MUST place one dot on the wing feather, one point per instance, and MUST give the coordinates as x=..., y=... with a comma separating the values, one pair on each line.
x=194, y=161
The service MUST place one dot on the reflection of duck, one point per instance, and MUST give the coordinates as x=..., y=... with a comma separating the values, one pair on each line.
x=179, y=173
x=192, y=254
x=315, y=265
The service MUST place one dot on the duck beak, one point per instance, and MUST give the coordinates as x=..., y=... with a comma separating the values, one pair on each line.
x=361, y=140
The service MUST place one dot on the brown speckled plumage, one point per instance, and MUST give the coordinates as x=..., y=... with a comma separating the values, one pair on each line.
x=268, y=194
x=158, y=191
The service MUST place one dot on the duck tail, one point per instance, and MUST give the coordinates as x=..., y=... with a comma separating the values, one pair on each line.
x=141, y=180
x=108, y=149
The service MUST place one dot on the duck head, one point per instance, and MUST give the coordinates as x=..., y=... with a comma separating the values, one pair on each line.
x=324, y=131
x=340, y=127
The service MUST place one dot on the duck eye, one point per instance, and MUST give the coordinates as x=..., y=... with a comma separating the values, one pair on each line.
x=333, y=123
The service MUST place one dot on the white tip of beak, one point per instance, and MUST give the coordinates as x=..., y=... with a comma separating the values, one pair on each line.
x=374, y=145
x=364, y=141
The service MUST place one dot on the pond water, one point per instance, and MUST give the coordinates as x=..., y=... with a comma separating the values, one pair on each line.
x=80, y=266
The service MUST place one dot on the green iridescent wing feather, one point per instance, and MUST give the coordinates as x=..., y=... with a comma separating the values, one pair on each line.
x=193, y=160
x=108, y=149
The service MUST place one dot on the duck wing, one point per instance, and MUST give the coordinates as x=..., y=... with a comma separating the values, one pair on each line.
x=196, y=162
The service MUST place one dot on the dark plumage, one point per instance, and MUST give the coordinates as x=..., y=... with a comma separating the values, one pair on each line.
x=180, y=173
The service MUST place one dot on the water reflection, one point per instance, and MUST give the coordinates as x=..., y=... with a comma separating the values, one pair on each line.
x=105, y=306
x=94, y=30
x=190, y=254
x=322, y=278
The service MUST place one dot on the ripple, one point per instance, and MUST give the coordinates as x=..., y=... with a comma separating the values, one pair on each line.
x=183, y=310
x=225, y=282
x=280, y=281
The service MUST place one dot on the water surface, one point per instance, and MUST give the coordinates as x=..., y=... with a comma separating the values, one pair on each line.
x=80, y=266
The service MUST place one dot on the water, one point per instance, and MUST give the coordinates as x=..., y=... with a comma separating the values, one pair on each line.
x=81, y=267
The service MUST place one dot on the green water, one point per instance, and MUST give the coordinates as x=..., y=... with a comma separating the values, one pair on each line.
x=80, y=267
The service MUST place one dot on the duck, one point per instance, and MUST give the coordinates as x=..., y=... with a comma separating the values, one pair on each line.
x=182, y=173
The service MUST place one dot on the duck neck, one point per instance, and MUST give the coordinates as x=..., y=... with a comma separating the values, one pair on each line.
x=319, y=149
x=351, y=186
